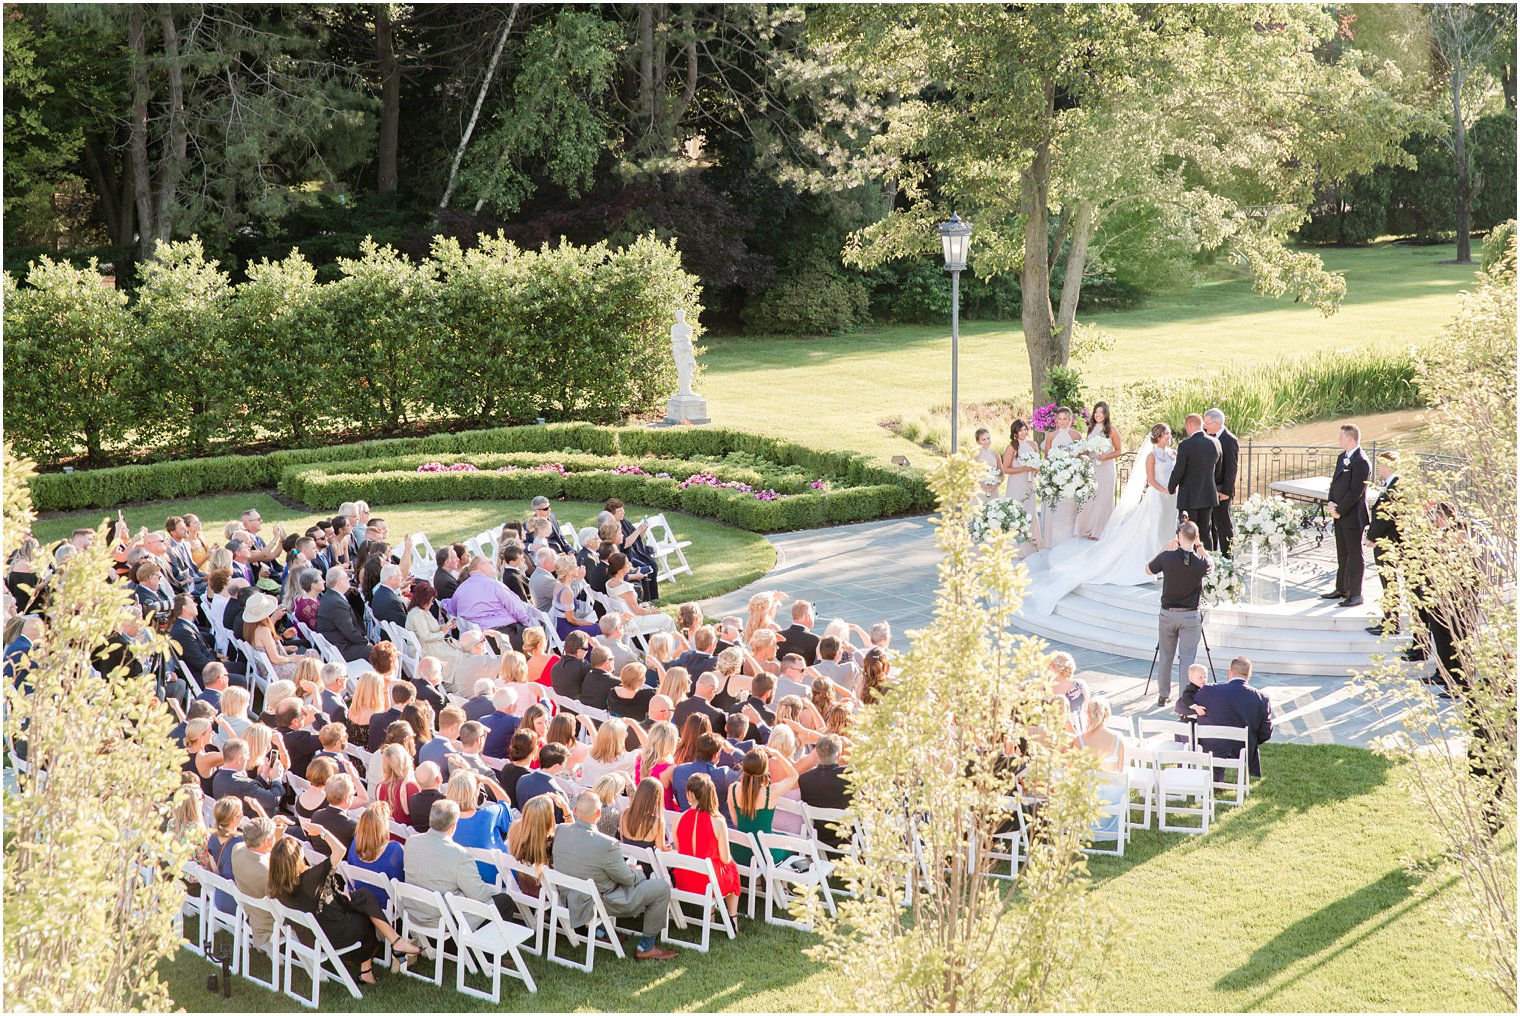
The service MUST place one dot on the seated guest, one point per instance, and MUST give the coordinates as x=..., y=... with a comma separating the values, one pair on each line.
x=875, y=669
x=427, y=681
x=661, y=710
x=700, y=703
x=824, y=786
x=420, y=805
x=704, y=762
x=598, y=682
x=514, y=675
x=1071, y=689
x=569, y=673
x=642, y=619
x=609, y=752
x=432, y=635
x=531, y=843
x=483, y=600
x=642, y=823
x=472, y=741
x=438, y=749
x=545, y=571
x=397, y=783
x=318, y=772
x=482, y=824
x=699, y=659
x=227, y=813
x=336, y=620
x=569, y=607
x=146, y=581
x=500, y=723
x=402, y=694
x=611, y=633
x=18, y=649
x=483, y=702
x=214, y=683
x=675, y=685
x=762, y=689
x=309, y=589
x=386, y=603
x=580, y=851
x=536, y=650
x=374, y=849
x=543, y=511
x=369, y=700
x=630, y=699
x=1232, y=704
x=835, y=665
x=347, y=919
x=661, y=653
x=636, y=546
x=250, y=873
x=799, y=638
x=334, y=678
x=446, y=577
x=189, y=643
x=522, y=754
x=434, y=860
x=232, y=779
x=293, y=723
x=752, y=798
x=333, y=816
x=795, y=677
x=476, y=661
x=541, y=781
x=702, y=833
x=385, y=660
x=609, y=789
x=510, y=564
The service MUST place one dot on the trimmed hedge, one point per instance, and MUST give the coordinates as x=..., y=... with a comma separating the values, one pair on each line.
x=882, y=490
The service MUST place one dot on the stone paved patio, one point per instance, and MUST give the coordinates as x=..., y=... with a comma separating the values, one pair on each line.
x=886, y=571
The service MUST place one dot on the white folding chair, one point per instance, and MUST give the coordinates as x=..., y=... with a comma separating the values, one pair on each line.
x=212, y=918
x=712, y=913
x=424, y=558
x=1140, y=770
x=1237, y=788
x=561, y=889
x=842, y=823
x=488, y=938
x=245, y=946
x=401, y=830
x=1113, y=812
x=190, y=682
x=380, y=885
x=1156, y=732
x=568, y=534
x=666, y=546
x=321, y=960
x=753, y=872
x=781, y=877
x=488, y=542
x=1010, y=845
x=1183, y=776
x=531, y=908
x=425, y=919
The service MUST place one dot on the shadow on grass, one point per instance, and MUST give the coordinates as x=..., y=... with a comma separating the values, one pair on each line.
x=1327, y=933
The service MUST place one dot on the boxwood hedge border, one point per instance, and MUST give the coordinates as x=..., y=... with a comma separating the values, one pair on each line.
x=859, y=489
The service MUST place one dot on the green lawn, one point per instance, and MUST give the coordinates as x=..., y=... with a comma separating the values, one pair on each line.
x=1297, y=901
x=722, y=558
x=833, y=392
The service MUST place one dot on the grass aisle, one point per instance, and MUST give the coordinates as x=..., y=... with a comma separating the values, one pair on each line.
x=722, y=558
x=1297, y=901
x=832, y=392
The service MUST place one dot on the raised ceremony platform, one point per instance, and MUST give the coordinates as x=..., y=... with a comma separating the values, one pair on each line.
x=1304, y=635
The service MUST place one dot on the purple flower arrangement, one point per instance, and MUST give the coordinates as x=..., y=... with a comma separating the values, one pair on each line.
x=439, y=467
x=1044, y=418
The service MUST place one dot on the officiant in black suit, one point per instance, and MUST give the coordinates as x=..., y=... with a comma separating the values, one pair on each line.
x=1224, y=476
x=1193, y=479
x=1348, y=507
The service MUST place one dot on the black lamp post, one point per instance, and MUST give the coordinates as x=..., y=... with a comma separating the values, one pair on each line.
x=955, y=237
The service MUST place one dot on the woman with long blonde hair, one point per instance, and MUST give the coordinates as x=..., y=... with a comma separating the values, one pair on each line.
x=762, y=614
x=609, y=752
x=396, y=784
x=514, y=674
x=530, y=841
x=375, y=849
x=675, y=685
x=657, y=761
x=369, y=699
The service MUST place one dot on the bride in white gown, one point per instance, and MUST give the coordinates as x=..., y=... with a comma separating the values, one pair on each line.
x=1142, y=524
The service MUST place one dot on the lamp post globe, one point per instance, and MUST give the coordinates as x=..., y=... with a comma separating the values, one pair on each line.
x=955, y=239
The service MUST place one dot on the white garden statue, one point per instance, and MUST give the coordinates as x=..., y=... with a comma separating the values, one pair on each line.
x=685, y=406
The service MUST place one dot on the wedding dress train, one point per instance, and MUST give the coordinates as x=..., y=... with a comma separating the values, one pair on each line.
x=1144, y=522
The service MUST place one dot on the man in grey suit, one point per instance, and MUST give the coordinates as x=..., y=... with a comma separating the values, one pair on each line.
x=582, y=852
x=434, y=861
x=250, y=871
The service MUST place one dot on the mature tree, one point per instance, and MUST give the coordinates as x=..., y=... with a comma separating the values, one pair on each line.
x=1465, y=40
x=969, y=712
x=1456, y=556
x=1040, y=121
x=92, y=864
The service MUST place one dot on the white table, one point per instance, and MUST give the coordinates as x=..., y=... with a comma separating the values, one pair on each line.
x=1310, y=488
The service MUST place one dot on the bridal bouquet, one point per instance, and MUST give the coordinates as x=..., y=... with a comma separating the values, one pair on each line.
x=1272, y=520
x=999, y=515
x=1065, y=474
x=1098, y=444
x=1223, y=583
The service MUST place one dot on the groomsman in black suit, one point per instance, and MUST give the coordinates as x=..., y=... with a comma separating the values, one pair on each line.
x=1383, y=534
x=1193, y=479
x=1224, y=476
x=1348, y=507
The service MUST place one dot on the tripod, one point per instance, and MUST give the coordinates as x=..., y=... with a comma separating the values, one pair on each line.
x=1203, y=630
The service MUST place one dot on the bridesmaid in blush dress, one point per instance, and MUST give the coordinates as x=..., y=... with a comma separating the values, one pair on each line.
x=1060, y=518
x=989, y=458
x=1093, y=518
x=1020, y=484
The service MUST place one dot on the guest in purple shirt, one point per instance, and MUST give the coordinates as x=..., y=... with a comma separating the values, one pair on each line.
x=485, y=600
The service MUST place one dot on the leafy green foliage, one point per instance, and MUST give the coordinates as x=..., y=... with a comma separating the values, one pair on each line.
x=817, y=298
x=1063, y=386
x=70, y=352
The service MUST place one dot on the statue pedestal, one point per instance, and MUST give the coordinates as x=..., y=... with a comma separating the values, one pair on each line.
x=690, y=408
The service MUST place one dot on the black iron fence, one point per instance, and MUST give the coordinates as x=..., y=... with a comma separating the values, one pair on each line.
x=1262, y=465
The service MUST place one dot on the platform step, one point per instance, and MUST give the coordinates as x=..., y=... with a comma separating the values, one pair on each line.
x=1314, y=615
x=1105, y=618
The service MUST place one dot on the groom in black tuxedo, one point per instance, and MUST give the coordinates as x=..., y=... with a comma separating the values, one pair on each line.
x=1193, y=479
x=1224, y=476
x=1348, y=507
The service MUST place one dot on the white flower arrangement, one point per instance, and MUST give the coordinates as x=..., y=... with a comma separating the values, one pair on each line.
x=1270, y=520
x=1097, y=443
x=1000, y=515
x=1029, y=459
x=1223, y=583
x=1065, y=475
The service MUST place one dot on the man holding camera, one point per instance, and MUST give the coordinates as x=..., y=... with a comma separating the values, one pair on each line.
x=1182, y=567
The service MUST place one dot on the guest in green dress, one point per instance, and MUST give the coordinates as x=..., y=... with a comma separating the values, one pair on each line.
x=751, y=800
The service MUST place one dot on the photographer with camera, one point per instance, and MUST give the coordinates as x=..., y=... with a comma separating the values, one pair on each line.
x=1182, y=567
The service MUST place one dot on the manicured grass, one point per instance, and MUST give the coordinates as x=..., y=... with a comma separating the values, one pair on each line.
x=1299, y=900
x=832, y=392
x=722, y=558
